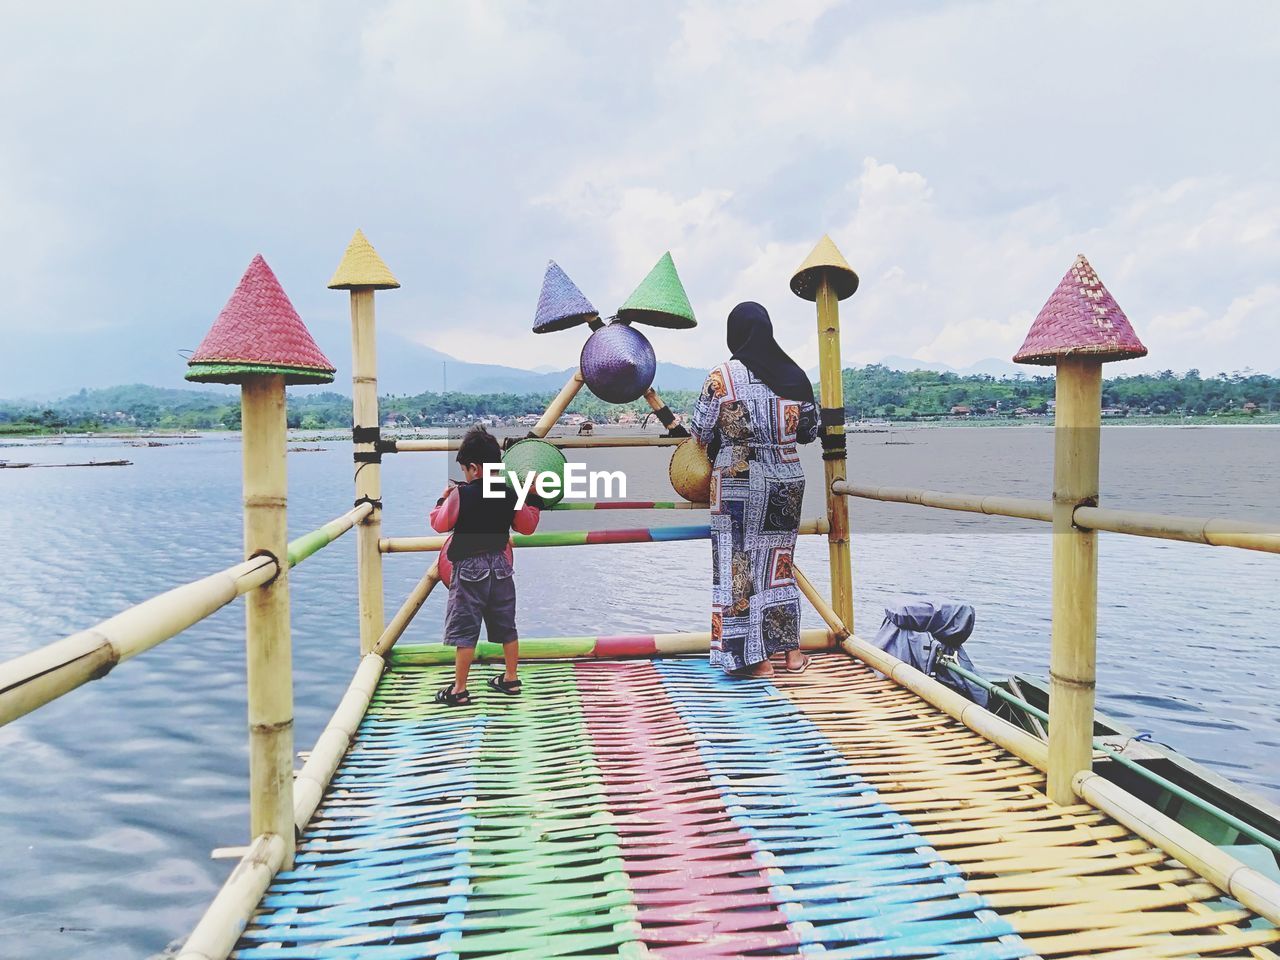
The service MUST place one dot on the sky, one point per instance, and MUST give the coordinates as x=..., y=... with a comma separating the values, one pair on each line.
x=960, y=155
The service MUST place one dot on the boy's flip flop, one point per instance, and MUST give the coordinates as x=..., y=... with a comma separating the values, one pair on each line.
x=499, y=683
x=446, y=696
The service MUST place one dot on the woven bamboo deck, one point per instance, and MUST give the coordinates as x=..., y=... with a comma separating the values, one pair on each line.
x=656, y=807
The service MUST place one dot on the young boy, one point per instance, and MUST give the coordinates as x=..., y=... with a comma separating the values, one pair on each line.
x=483, y=588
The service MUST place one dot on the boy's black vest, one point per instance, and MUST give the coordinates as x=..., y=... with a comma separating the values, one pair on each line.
x=483, y=524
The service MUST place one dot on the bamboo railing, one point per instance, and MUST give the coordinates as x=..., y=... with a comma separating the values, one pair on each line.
x=444, y=445
x=33, y=679
x=574, y=538
x=1212, y=531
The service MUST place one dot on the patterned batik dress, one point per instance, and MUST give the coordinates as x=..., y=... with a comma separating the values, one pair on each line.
x=757, y=486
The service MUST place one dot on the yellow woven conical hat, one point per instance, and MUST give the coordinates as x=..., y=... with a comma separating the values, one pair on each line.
x=825, y=260
x=362, y=267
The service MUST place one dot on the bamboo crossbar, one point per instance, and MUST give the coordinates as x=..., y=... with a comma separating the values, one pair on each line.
x=1254, y=890
x=1020, y=507
x=443, y=445
x=622, y=646
x=310, y=543
x=576, y=538
x=1100, y=745
x=408, y=610
x=336, y=738
x=1213, y=531
x=33, y=679
x=217, y=932
x=629, y=505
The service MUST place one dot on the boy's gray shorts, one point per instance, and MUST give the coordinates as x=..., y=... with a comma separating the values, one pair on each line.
x=483, y=592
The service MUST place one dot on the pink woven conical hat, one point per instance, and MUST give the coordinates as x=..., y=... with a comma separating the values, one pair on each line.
x=258, y=332
x=1080, y=319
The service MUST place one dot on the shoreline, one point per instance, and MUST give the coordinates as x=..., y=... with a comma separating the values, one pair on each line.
x=851, y=427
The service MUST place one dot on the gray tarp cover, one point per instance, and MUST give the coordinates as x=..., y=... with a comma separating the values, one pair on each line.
x=918, y=632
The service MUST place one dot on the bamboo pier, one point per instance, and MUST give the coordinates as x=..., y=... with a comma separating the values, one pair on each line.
x=634, y=802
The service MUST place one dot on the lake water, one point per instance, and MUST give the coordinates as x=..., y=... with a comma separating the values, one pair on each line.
x=112, y=797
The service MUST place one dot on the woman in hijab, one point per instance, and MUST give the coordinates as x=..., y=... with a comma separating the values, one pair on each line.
x=752, y=412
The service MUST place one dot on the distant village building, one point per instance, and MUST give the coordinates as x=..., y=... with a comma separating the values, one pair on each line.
x=960, y=410
x=1250, y=407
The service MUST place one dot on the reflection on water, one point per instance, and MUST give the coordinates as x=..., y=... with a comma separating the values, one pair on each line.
x=111, y=798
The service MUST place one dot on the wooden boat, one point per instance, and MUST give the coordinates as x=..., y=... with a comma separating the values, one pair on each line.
x=1206, y=803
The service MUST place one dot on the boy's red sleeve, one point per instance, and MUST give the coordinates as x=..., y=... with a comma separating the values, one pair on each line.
x=445, y=515
x=526, y=519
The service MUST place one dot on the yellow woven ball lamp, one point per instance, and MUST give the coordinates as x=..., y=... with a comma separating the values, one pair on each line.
x=690, y=472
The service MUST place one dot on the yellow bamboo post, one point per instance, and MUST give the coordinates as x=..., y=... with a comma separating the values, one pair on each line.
x=362, y=272
x=1077, y=430
x=269, y=661
x=1080, y=328
x=260, y=342
x=555, y=410
x=666, y=416
x=826, y=278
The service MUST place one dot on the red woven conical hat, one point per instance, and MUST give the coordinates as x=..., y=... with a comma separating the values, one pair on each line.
x=258, y=332
x=1080, y=319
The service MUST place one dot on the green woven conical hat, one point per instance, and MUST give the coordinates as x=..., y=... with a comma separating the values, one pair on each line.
x=660, y=300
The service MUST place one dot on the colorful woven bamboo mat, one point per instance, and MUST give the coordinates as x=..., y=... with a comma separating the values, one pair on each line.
x=658, y=808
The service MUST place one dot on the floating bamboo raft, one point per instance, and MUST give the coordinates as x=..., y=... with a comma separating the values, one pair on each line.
x=634, y=802
x=657, y=807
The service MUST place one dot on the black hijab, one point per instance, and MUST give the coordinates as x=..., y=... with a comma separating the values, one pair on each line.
x=750, y=337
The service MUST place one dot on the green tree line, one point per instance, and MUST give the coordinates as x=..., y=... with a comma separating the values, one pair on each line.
x=870, y=391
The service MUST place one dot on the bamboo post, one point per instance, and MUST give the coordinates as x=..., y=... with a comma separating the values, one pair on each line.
x=259, y=323
x=837, y=506
x=1079, y=328
x=269, y=657
x=826, y=278
x=361, y=272
x=555, y=410
x=368, y=472
x=1077, y=429
x=666, y=416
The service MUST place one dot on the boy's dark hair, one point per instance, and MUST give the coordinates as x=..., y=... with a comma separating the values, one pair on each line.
x=479, y=446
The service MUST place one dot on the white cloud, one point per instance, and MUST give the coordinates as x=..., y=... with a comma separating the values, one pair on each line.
x=959, y=153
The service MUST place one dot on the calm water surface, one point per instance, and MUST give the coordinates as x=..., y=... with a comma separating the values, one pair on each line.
x=111, y=798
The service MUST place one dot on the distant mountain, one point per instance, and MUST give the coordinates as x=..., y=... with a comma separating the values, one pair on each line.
x=405, y=367
x=989, y=367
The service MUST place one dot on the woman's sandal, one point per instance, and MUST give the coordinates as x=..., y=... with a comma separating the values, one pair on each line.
x=447, y=696
x=500, y=684
x=804, y=665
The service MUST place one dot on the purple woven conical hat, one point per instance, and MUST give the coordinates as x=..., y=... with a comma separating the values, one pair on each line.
x=561, y=304
x=618, y=363
x=1081, y=319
